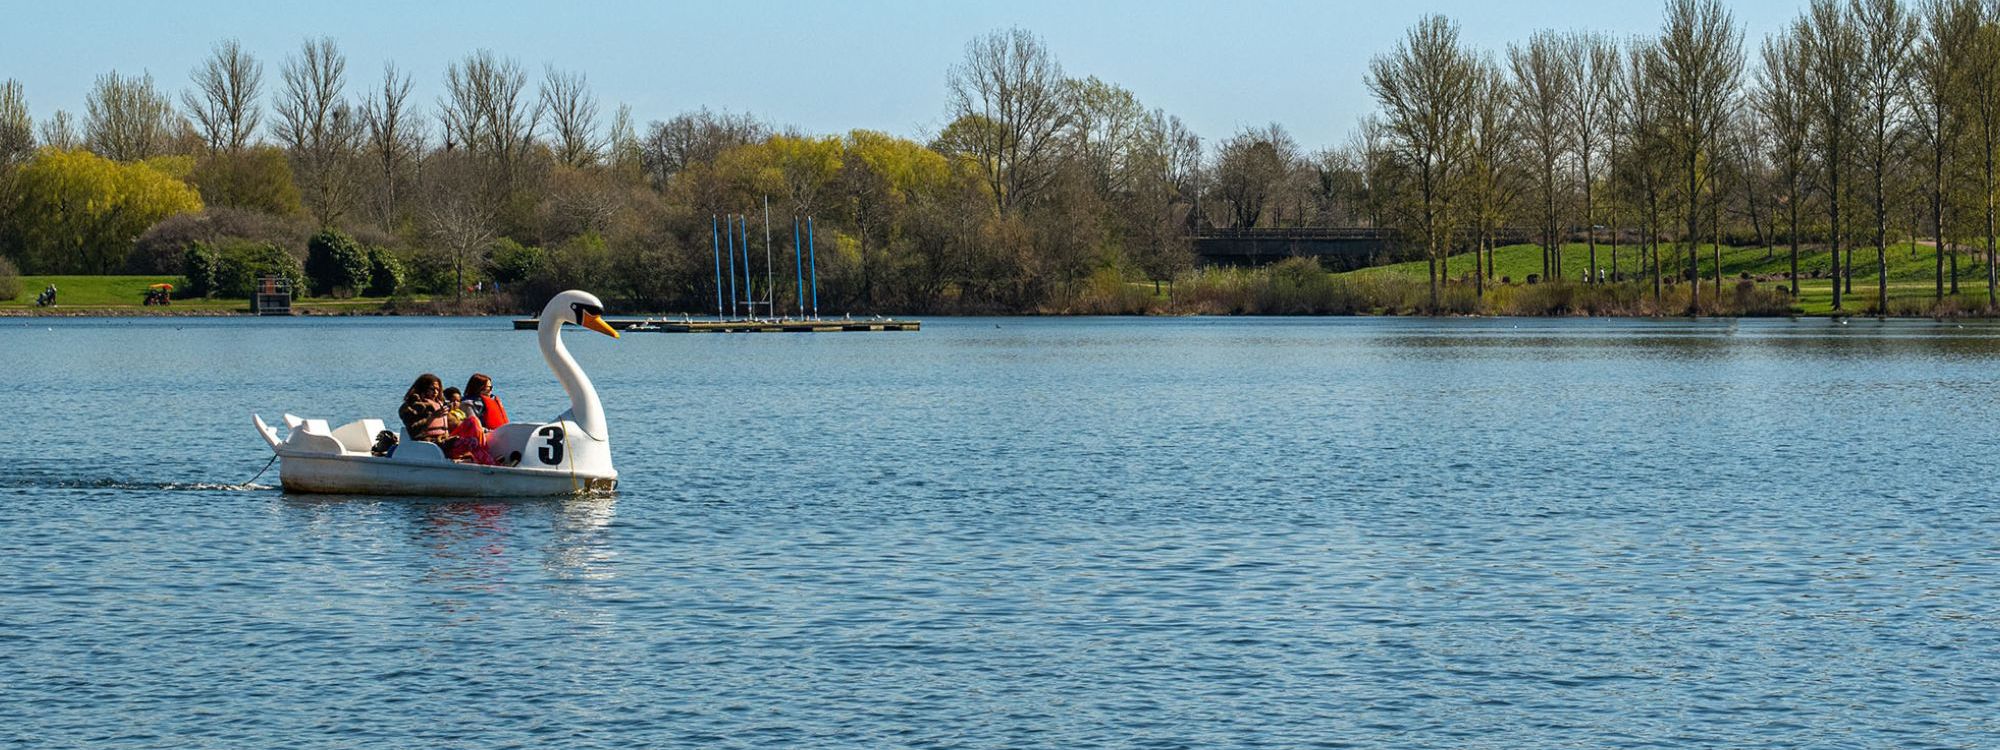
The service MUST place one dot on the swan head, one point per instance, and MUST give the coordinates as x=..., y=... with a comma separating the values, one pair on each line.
x=581, y=308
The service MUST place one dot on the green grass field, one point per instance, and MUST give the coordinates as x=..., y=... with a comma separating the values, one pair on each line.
x=1911, y=270
x=129, y=292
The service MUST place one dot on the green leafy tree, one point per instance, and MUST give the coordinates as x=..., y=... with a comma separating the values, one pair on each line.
x=77, y=212
x=243, y=263
x=385, y=272
x=334, y=263
x=199, y=266
x=512, y=263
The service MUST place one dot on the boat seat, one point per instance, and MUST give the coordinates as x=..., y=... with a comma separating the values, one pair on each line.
x=418, y=451
x=358, y=436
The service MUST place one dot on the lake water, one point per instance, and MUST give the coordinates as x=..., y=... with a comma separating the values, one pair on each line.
x=1066, y=533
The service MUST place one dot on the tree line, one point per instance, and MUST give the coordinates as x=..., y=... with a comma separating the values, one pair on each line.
x=1861, y=122
x=1039, y=180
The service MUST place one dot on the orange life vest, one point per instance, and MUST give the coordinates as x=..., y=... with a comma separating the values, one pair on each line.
x=491, y=413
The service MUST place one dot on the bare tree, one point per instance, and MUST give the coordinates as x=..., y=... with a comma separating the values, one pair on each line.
x=59, y=132
x=1545, y=85
x=1617, y=104
x=1700, y=62
x=1833, y=50
x=1163, y=166
x=128, y=118
x=1425, y=87
x=1486, y=176
x=572, y=112
x=486, y=111
x=318, y=128
x=460, y=220
x=1598, y=71
x=1251, y=169
x=1950, y=30
x=1781, y=101
x=1887, y=31
x=393, y=139
x=1105, y=131
x=692, y=138
x=1011, y=103
x=17, y=128
x=623, y=141
x=223, y=101
x=1649, y=150
x=1982, y=94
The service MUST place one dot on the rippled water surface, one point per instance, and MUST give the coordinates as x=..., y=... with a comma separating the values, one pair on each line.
x=1026, y=533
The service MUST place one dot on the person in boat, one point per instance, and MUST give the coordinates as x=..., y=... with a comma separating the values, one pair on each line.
x=481, y=403
x=423, y=412
x=467, y=436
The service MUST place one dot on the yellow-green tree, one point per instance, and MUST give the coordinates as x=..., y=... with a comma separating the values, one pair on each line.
x=77, y=212
x=880, y=177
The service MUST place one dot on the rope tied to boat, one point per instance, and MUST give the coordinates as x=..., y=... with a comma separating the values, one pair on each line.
x=260, y=472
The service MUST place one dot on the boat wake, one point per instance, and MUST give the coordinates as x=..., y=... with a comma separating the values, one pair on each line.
x=108, y=483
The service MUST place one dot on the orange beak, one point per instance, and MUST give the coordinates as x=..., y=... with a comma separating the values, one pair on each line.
x=597, y=324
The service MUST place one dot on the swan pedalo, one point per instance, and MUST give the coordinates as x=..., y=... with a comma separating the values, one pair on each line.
x=568, y=455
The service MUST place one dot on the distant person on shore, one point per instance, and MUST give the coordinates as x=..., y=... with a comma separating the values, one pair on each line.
x=423, y=412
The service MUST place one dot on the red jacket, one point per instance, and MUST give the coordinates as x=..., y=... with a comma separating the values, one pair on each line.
x=491, y=413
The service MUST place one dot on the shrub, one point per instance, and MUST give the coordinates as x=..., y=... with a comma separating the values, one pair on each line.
x=581, y=263
x=385, y=272
x=512, y=263
x=242, y=263
x=199, y=265
x=1106, y=293
x=163, y=247
x=335, y=263
x=10, y=280
x=427, y=271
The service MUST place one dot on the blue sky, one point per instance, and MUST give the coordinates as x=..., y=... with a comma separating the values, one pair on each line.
x=822, y=67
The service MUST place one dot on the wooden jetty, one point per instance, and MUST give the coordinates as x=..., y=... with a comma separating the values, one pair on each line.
x=746, y=326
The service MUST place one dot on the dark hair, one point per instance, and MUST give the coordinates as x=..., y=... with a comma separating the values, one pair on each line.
x=477, y=385
x=451, y=395
x=422, y=387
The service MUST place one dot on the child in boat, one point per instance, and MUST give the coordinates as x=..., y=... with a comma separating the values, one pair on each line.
x=423, y=412
x=465, y=439
x=481, y=403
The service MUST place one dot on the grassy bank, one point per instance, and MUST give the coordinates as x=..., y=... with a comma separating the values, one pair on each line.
x=1911, y=272
x=127, y=294
x=1755, y=283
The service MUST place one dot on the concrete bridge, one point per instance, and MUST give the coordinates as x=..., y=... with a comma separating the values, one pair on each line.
x=1337, y=248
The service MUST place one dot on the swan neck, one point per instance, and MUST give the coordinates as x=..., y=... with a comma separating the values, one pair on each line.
x=583, y=404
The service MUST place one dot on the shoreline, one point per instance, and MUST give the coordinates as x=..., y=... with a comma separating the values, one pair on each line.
x=128, y=312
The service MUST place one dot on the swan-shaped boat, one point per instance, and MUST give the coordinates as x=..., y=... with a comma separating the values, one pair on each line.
x=567, y=456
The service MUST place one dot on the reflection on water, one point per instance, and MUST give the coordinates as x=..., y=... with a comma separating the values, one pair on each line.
x=1055, y=533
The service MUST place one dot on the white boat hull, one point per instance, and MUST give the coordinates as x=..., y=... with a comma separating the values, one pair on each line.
x=558, y=458
x=369, y=475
